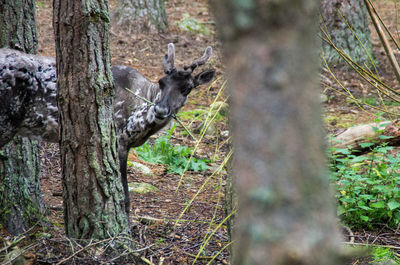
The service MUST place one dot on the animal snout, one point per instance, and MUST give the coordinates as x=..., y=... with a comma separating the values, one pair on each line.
x=162, y=111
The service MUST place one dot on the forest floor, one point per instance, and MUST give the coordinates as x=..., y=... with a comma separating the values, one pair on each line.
x=341, y=113
x=153, y=215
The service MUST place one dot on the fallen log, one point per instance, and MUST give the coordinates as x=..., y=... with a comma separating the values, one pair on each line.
x=352, y=138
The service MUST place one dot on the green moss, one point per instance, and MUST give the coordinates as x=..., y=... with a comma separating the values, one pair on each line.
x=342, y=121
x=142, y=188
x=196, y=114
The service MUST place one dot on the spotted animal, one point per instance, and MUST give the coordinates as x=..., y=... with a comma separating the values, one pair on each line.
x=28, y=92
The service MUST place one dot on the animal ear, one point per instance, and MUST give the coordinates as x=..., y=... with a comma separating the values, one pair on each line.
x=204, y=77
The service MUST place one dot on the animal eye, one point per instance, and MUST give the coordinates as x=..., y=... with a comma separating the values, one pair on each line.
x=186, y=90
x=161, y=83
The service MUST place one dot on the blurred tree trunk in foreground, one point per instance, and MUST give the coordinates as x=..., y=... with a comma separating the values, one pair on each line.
x=285, y=214
x=92, y=190
x=21, y=202
x=356, y=15
x=141, y=15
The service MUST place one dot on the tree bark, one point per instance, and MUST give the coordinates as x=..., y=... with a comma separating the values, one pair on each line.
x=92, y=189
x=21, y=202
x=141, y=15
x=231, y=201
x=285, y=214
x=357, y=17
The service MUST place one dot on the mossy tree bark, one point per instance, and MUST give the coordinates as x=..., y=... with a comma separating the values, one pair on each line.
x=141, y=15
x=21, y=202
x=285, y=214
x=356, y=42
x=92, y=189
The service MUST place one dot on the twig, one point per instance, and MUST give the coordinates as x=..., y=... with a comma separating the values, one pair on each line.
x=84, y=248
x=153, y=219
x=140, y=97
x=126, y=252
x=19, y=238
x=383, y=38
x=198, y=257
x=143, y=249
x=184, y=127
x=370, y=245
x=351, y=235
x=220, y=251
x=25, y=249
x=147, y=261
x=173, y=116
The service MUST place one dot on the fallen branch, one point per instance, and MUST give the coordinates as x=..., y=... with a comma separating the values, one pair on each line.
x=353, y=137
x=371, y=245
x=84, y=248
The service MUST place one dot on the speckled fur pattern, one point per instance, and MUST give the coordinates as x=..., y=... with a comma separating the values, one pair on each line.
x=28, y=93
x=28, y=96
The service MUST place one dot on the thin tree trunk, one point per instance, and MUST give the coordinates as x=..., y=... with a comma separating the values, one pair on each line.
x=21, y=202
x=285, y=214
x=92, y=189
x=355, y=42
x=141, y=15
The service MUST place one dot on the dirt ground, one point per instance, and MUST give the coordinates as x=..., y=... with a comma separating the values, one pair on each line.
x=153, y=215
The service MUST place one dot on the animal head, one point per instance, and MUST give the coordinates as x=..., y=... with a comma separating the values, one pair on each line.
x=176, y=85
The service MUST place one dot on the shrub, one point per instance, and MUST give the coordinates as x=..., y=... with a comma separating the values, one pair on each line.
x=367, y=186
x=175, y=156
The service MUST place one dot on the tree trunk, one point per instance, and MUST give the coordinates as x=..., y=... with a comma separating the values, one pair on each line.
x=92, y=189
x=141, y=15
x=21, y=202
x=285, y=214
x=231, y=201
x=356, y=15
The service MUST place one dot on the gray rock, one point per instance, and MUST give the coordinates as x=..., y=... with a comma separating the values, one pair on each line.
x=141, y=168
x=141, y=187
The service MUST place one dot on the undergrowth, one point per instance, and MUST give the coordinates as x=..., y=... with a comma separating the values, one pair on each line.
x=174, y=156
x=367, y=185
x=382, y=255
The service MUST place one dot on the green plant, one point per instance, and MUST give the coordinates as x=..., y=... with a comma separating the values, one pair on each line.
x=373, y=101
x=175, y=156
x=193, y=25
x=367, y=186
x=381, y=254
x=38, y=4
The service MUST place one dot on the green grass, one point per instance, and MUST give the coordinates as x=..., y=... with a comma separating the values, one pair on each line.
x=174, y=156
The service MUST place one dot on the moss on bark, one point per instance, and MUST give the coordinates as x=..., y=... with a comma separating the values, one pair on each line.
x=93, y=195
x=21, y=202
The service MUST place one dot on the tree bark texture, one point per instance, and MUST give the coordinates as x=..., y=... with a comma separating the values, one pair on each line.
x=92, y=189
x=231, y=201
x=356, y=44
x=285, y=214
x=18, y=25
x=21, y=202
x=141, y=15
